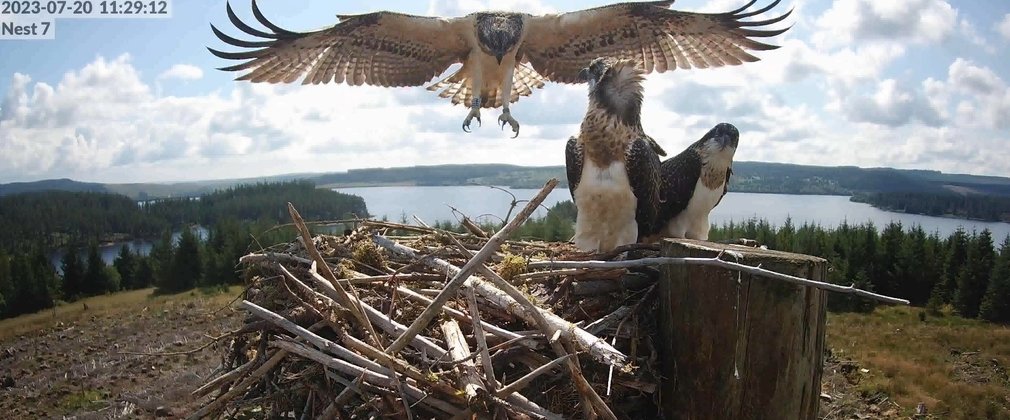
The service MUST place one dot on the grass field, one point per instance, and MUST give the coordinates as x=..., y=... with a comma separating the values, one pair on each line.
x=956, y=367
x=118, y=303
x=96, y=362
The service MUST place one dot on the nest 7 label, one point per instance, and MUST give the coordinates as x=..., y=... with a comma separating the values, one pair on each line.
x=27, y=27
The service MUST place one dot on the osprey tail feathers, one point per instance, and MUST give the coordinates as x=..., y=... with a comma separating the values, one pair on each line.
x=456, y=86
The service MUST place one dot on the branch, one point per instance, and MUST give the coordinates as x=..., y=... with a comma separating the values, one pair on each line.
x=595, y=346
x=714, y=262
x=453, y=286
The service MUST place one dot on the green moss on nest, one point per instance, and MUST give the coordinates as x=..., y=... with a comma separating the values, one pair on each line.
x=367, y=253
x=512, y=265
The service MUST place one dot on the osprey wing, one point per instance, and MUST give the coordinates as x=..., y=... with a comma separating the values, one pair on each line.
x=643, y=175
x=679, y=177
x=559, y=46
x=573, y=164
x=381, y=48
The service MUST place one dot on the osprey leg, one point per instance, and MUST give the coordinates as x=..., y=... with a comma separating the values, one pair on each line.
x=474, y=113
x=506, y=99
x=476, y=92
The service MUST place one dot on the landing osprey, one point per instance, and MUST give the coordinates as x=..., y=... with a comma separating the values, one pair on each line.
x=694, y=182
x=500, y=52
x=612, y=167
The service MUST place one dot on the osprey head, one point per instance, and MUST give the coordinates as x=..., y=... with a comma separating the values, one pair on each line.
x=720, y=141
x=499, y=32
x=616, y=86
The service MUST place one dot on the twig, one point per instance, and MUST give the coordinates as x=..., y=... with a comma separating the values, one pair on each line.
x=595, y=346
x=459, y=350
x=369, y=376
x=460, y=316
x=387, y=324
x=212, y=341
x=241, y=387
x=714, y=262
x=315, y=340
x=342, y=295
x=585, y=389
x=453, y=286
x=478, y=333
x=521, y=383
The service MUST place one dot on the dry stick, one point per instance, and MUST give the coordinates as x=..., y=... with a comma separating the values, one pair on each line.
x=369, y=376
x=390, y=364
x=398, y=365
x=342, y=295
x=453, y=286
x=586, y=391
x=478, y=333
x=388, y=325
x=492, y=348
x=715, y=262
x=459, y=350
x=241, y=387
x=315, y=340
x=521, y=383
x=595, y=346
x=228, y=377
x=460, y=316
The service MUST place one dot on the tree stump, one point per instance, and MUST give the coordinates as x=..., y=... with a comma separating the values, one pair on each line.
x=734, y=346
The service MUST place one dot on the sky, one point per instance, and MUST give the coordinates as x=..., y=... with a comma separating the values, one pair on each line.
x=915, y=84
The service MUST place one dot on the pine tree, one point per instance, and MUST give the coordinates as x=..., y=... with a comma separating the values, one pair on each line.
x=912, y=279
x=956, y=255
x=160, y=260
x=996, y=303
x=126, y=265
x=73, y=274
x=888, y=267
x=974, y=276
x=6, y=286
x=186, y=266
x=95, y=279
x=144, y=274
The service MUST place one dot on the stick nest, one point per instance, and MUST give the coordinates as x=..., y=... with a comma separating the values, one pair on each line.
x=303, y=353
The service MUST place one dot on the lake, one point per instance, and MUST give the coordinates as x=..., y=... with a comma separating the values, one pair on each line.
x=431, y=204
x=110, y=251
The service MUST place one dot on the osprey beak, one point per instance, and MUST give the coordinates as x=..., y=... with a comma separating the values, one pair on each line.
x=499, y=56
x=584, y=75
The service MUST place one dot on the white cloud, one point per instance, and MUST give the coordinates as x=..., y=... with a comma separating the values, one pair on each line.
x=892, y=105
x=920, y=21
x=968, y=32
x=182, y=72
x=104, y=123
x=1003, y=27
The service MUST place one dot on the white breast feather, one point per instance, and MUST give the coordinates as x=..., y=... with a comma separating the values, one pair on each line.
x=692, y=223
x=607, y=205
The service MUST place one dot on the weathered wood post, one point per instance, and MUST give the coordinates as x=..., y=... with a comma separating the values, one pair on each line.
x=735, y=346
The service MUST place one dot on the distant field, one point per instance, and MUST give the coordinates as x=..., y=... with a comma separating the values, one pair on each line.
x=80, y=363
x=955, y=366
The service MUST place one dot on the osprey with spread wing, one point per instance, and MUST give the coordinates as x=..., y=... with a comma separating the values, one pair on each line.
x=504, y=55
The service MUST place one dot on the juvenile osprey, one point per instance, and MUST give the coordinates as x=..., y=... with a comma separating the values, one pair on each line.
x=499, y=51
x=612, y=167
x=694, y=182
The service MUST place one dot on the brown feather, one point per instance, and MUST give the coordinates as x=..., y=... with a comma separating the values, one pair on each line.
x=381, y=48
x=660, y=39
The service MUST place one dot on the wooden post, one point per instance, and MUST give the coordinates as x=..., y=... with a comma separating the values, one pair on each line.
x=735, y=346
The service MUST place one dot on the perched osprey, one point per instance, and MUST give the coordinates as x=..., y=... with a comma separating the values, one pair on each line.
x=504, y=55
x=694, y=182
x=613, y=167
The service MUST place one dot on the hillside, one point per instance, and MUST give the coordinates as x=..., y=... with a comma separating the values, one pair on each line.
x=963, y=195
x=761, y=177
